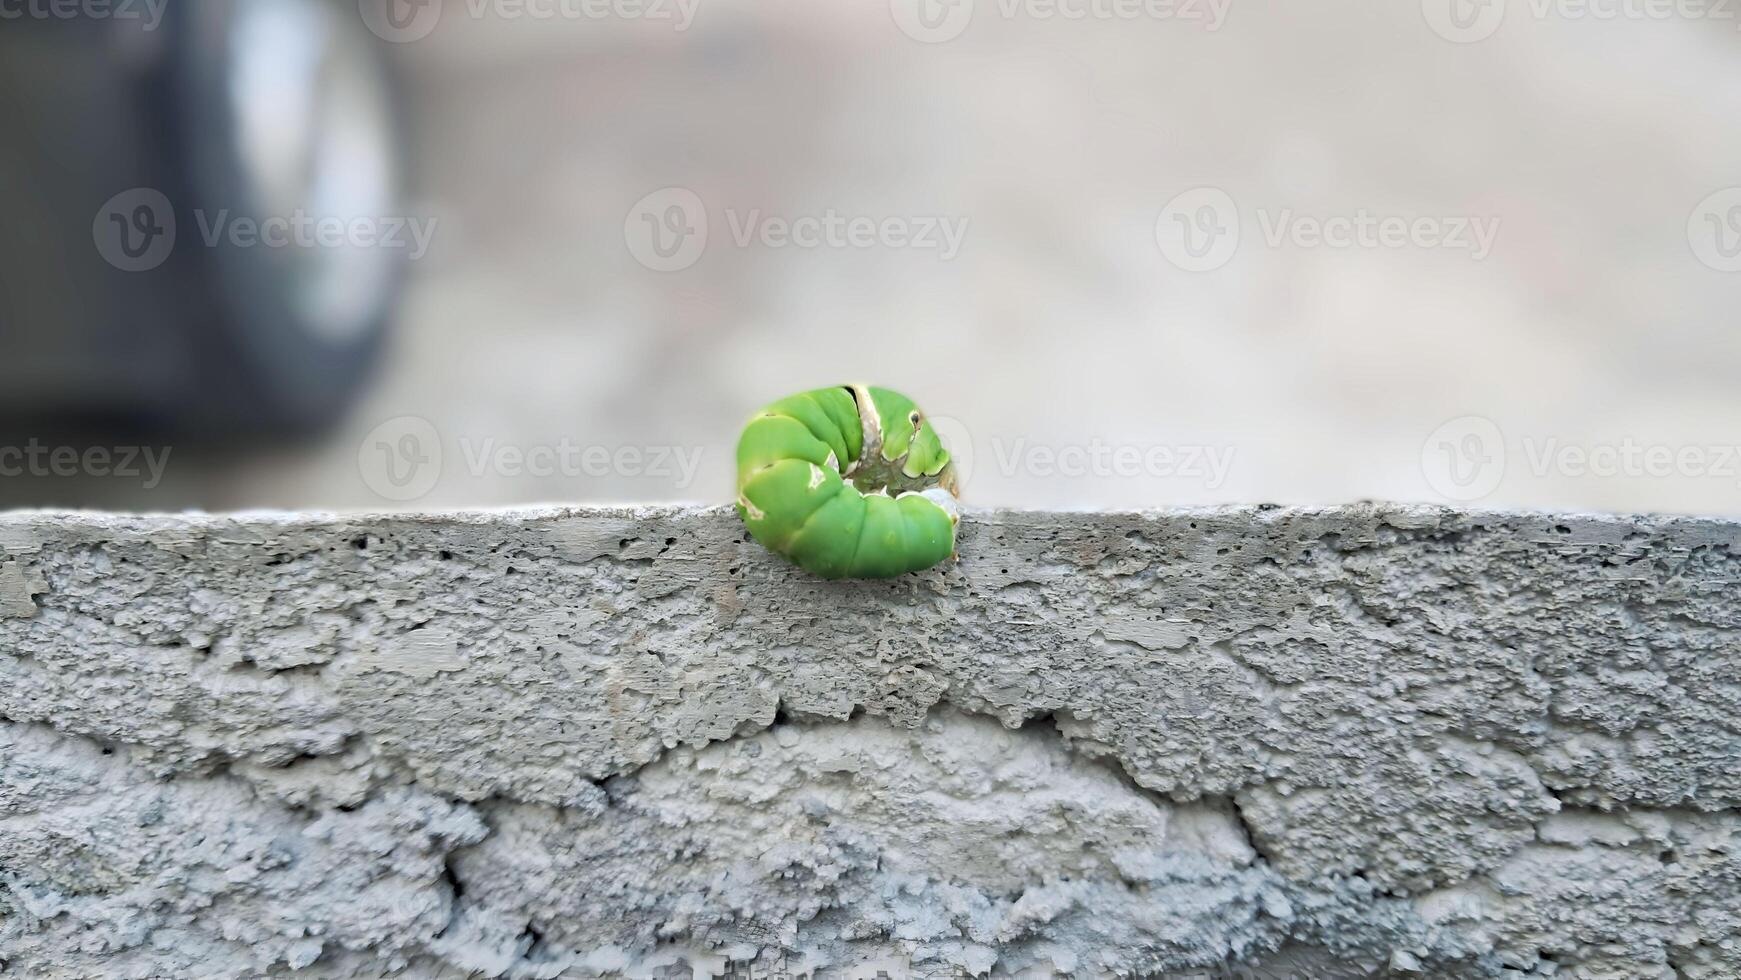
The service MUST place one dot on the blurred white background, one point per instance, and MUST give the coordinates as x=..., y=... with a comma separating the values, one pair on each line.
x=1542, y=312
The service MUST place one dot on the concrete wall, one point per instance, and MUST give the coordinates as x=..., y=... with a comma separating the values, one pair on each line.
x=1342, y=742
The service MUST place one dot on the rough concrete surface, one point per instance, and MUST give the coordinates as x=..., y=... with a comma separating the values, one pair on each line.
x=1261, y=742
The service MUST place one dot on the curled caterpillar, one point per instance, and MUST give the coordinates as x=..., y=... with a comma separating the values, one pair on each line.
x=848, y=482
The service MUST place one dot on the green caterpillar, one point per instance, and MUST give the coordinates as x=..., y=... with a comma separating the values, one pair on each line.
x=848, y=482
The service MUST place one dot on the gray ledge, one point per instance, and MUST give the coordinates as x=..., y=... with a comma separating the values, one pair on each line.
x=1361, y=741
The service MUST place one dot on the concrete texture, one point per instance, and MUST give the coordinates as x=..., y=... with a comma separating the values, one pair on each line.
x=1349, y=742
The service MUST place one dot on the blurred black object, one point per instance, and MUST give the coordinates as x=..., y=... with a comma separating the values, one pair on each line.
x=130, y=148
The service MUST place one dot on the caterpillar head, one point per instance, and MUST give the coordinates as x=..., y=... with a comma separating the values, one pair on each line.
x=897, y=436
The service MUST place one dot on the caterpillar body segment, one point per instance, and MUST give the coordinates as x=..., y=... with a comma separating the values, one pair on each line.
x=848, y=482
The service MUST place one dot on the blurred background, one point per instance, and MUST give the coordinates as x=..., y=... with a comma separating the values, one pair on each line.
x=1127, y=253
